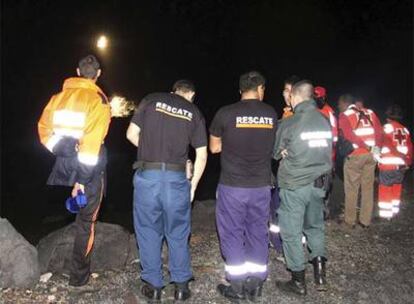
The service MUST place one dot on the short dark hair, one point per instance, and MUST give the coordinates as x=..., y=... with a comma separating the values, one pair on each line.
x=89, y=66
x=183, y=85
x=292, y=80
x=303, y=88
x=347, y=98
x=251, y=81
x=394, y=112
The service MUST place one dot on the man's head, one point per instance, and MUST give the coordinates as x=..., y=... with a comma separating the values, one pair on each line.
x=287, y=89
x=185, y=88
x=301, y=91
x=394, y=112
x=320, y=96
x=252, y=85
x=345, y=101
x=89, y=68
x=359, y=103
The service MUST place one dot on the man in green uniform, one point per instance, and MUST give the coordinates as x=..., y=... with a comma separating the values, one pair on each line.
x=304, y=145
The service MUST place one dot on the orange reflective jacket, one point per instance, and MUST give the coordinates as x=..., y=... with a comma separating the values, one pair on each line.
x=80, y=111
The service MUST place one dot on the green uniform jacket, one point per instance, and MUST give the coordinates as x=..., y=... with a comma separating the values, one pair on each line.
x=307, y=137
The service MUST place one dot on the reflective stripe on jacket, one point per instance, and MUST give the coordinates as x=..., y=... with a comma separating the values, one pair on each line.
x=80, y=111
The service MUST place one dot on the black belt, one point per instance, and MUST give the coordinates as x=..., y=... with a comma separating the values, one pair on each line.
x=142, y=165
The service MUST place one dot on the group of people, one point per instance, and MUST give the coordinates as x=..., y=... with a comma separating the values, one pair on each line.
x=251, y=203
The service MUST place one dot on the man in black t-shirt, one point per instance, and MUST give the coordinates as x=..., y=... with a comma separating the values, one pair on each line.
x=244, y=134
x=163, y=127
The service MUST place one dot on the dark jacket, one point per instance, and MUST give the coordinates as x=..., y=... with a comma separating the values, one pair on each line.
x=307, y=137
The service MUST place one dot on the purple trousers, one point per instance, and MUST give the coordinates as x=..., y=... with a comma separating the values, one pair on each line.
x=242, y=216
x=274, y=230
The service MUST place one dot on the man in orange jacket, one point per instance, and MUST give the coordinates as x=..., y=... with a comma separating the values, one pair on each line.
x=396, y=157
x=73, y=126
x=287, y=110
x=362, y=128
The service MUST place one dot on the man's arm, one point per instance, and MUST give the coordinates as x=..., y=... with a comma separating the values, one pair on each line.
x=199, y=166
x=132, y=134
x=215, y=144
x=379, y=131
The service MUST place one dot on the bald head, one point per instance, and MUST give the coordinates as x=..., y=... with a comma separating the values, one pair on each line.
x=301, y=91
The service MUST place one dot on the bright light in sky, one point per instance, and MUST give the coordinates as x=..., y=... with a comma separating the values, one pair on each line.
x=102, y=42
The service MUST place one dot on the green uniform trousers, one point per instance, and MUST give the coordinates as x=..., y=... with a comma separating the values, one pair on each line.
x=301, y=212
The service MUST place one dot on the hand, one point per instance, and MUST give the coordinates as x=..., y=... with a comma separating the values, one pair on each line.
x=76, y=188
x=192, y=192
x=284, y=153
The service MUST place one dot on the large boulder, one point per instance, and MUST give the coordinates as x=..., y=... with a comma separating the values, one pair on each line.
x=19, y=266
x=114, y=248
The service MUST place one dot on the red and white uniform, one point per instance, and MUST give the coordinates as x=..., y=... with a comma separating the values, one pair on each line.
x=329, y=113
x=362, y=132
x=397, y=152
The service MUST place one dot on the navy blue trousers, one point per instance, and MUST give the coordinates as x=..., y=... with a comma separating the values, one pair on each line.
x=162, y=210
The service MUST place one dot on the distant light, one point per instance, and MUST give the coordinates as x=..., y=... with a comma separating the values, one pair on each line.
x=102, y=43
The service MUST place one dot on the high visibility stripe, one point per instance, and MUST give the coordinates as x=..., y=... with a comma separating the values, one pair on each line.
x=254, y=268
x=69, y=118
x=355, y=146
x=88, y=159
x=364, y=131
x=388, y=128
x=332, y=120
x=335, y=138
x=391, y=161
x=385, y=205
x=370, y=143
x=385, y=150
x=386, y=213
x=94, y=216
x=68, y=132
x=395, y=210
x=303, y=239
x=247, y=267
x=274, y=228
x=349, y=112
x=316, y=143
x=396, y=203
x=316, y=135
x=235, y=270
x=51, y=143
x=254, y=126
x=402, y=149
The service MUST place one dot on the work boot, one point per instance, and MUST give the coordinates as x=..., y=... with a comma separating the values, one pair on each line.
x=151, y=292
x=235, y=291
x=253, y=287
x=296, y=285
x=182, y=291
x=319, y=273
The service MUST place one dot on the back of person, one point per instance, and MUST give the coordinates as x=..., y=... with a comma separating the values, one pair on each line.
x=248, y=129
x=244, y=133
x=169, y=124
x=309, y=136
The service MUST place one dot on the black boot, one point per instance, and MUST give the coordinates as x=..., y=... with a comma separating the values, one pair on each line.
x=151, y=292
x=253, y=287
x=319, y=273
x=296, y=285
x=233, y=292
x=182, y=291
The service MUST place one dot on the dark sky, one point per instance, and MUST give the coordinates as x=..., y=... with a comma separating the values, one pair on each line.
x=361, y=47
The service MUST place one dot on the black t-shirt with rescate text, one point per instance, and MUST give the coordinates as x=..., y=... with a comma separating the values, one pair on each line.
x=247, y=130
x=169, y=125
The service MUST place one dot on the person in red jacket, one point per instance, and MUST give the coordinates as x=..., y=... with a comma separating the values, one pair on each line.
x=326, y=110
x=362, y=128
x=396, y=157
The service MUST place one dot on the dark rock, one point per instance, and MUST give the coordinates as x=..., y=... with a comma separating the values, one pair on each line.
x=19, y=266
x=113, y=249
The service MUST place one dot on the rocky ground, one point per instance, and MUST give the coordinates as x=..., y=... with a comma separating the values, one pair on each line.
x=374, y=265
